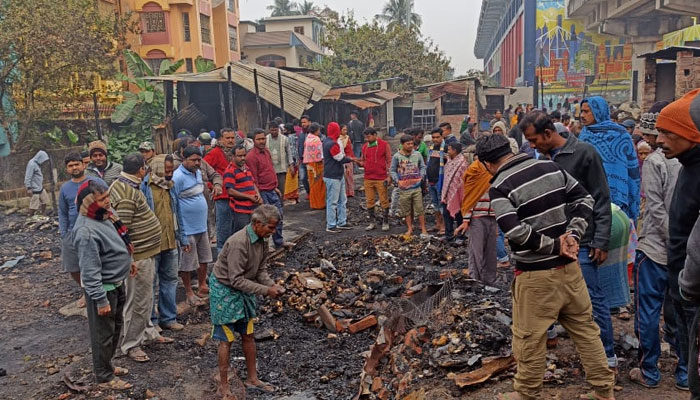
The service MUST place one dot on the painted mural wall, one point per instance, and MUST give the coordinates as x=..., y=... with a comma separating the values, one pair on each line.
x=567, y=55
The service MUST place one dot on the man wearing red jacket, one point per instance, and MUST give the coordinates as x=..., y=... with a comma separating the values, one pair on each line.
x=219, y=158
x=376, y=159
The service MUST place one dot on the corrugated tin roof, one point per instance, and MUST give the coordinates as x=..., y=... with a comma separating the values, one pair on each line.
x=669, y=53
x=355, y=96
x=280, y=39
x=297, y=89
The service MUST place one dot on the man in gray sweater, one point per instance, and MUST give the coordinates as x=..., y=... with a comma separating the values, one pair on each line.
x=34, y=182
x=104, y=256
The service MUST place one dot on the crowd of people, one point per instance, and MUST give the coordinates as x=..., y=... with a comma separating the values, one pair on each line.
x=591, y=215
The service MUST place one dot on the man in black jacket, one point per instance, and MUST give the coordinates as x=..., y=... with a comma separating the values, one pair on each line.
x=678, y=125
x=582, y=161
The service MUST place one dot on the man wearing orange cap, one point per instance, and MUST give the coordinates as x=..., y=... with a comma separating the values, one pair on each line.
x=678, y=125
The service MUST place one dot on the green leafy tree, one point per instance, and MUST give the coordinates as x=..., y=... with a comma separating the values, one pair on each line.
x=308, y=8
x=282, y=8
x=50, y=54
x=370, y=51
x=400, y=13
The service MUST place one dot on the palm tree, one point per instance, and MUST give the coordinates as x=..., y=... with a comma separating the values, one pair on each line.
x=400, y=13
x=282, y=8
x=307, y=8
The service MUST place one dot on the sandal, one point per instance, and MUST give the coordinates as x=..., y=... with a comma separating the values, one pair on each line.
x=164, y=340
x=138, y=355
x=262, y=387
x=624, y=314
x=119, y=371
x=509, y=396
x=636, y=376
x=115, y=384
x=593, y=396
x=195, y=301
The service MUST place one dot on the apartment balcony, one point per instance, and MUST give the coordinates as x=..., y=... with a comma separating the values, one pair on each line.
x=580, y=8
x=685, y=7
x=189, y=2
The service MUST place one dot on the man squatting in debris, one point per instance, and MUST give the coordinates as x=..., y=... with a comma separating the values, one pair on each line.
x=548, y=284
x=240, y=273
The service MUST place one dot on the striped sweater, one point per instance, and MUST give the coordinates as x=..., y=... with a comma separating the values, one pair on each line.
x=131, y=207
x=535, y=203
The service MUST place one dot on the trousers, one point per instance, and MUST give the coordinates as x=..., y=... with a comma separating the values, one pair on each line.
x=138, y=305
x=483, y=234
x=104, y=332
x=539, y=299
x=336, y=202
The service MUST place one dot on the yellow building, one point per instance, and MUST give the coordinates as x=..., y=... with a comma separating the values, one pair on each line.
x=183, y=29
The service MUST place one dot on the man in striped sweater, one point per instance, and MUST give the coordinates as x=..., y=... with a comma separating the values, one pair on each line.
x=145, y=232
x=543, y=211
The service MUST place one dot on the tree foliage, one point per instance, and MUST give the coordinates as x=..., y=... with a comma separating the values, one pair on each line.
x=50, y=54
x=400, y=13
x=307, y=8
x=370, y=51
x=280, y=8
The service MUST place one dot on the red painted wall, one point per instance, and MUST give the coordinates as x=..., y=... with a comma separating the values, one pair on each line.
x=511, y=50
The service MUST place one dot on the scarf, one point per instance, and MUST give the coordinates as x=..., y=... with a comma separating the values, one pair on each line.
x=453, y=192
x=90, y=209
x=615, y=146
x=130, y=180
x=313, y=149
x=157, y=175
x=477, y=180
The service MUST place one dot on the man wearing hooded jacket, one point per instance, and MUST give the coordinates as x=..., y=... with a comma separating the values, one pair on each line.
x=334, y=177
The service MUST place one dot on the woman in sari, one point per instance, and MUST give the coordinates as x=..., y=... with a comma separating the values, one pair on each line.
x=616, y=149
x=313, y=159
x=291, y=184
x=346, y=145
x=452, y=189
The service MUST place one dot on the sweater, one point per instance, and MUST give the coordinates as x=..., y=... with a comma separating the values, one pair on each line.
x=102, y=256
x=131, y=207
x=33, y=177
x=279, y=152
x=333, y=159
x=109, y=174
x=356, y=131
x=583, y=162
x=242, y=263
x=660, y=175
x=407, y=171
x=376, y=160
x=683, y=213
x=689, y=277
x=218, y=160
x=535, y=203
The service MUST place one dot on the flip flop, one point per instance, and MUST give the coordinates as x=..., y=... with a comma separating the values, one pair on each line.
x=636, y=376
x=508, y=396
x=164, y=340
x=262, y=387
x=138, y=355
x=195, y=301
x=119, y=371
x=593, y=396
x=115, y=384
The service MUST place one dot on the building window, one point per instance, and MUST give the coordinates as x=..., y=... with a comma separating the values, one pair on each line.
x=188, y=65
x=154, y=63
x=299, y=30
x=206, y=28
x=309, y=59
x=231, y=5
x=154, y=21
x=453, y=104
x=424, y=118
x=186, y=26
x=232, y=38
x=271, y=60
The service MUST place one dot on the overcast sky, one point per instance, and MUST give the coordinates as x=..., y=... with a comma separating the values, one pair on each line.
x=450, y=23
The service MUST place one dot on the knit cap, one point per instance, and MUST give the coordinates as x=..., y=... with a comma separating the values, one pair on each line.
x=491, y=148
x=682, y=117
x=647, y=122
x=97, y=145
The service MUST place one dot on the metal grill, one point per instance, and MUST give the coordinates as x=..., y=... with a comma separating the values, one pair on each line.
x=427, y=307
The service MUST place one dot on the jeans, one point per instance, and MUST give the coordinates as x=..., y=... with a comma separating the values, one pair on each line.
x=304, y=177
x=224, y=222
x=451, y=223
x=685, y=314
x=501, y=252
x=104, y=332
x=601, y=311
x=357, y=149
x=336, y=203
x=650, y=283
x=271, y=197
x=240, y=220
x=166, y=281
